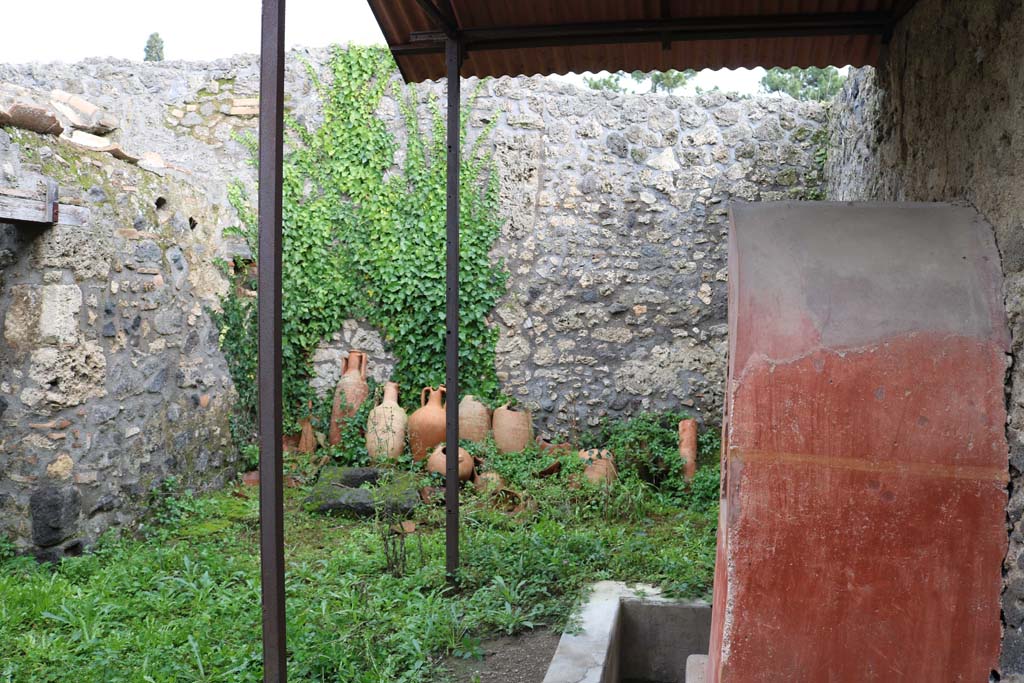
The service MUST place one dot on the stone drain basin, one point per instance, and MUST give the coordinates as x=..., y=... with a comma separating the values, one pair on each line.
x=633, y=635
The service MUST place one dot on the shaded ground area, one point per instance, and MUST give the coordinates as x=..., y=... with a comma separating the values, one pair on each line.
x=514, y=659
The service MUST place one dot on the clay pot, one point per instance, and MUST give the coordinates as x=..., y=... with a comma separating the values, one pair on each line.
x=253, y=479
x=385, y=426
x=432, y=495
x=474, y=419
x=688, y=447
x=351, y=392
x=307, y=437
x=549, y=471
x=290, y=443
x=513, y=502
x=545, y=445
x=600, y=466
x=513, y=429
x=437, y=461
x=486, y=481
x=426, y=425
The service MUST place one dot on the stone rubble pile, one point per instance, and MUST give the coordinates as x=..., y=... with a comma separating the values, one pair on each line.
x=68, y=116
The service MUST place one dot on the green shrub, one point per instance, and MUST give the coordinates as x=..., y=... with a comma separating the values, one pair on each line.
x=7, y=548
x=362, y=240
x=647, y=444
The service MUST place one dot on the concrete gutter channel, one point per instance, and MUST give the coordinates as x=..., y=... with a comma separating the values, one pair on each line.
x=633, y=635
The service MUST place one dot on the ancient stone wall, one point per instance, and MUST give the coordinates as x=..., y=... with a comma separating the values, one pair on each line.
x=616, y=208
x=616, y=211
x=111, y=379
x=615, y=239
x=943, y=119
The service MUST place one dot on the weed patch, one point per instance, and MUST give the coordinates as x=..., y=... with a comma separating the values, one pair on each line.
x=183, y=602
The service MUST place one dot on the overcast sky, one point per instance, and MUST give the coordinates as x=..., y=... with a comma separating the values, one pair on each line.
x=70, y=30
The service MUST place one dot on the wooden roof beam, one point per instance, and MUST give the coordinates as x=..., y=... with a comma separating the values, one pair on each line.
x=441, y=16
x=703, y=28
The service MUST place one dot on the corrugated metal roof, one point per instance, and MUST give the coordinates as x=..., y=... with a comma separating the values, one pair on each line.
x=514, y=37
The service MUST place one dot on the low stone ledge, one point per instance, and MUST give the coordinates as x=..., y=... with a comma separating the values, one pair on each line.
x=696, y=668
x=631, y=632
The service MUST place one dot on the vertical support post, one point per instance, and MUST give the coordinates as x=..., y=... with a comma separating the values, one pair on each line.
x=52, y=202
x=453, y=58
x=271, y=153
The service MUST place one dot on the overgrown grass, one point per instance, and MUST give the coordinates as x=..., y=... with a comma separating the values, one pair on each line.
x=183, y=603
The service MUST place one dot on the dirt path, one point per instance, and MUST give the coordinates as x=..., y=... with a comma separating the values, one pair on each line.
x=515, y=659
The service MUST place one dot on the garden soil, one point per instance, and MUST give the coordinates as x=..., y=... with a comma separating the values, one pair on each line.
x=513, y=659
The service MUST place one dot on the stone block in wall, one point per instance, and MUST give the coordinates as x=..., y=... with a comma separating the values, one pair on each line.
x=43, y=314
x=146, y=253
x=54, y=512
x=665, y=160
x=58, y=317
x=86, y=252
x=178, y=266
x=21, y=322
x=169, y=321
x=64, y=377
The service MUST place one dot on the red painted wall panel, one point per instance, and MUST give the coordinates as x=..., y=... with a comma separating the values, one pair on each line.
x=865, y=462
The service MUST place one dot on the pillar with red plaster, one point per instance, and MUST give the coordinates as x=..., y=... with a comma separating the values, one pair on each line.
x=862, y=525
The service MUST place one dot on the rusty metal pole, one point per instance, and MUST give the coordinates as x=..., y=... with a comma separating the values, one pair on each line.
x=453, y=57
x=271, y=152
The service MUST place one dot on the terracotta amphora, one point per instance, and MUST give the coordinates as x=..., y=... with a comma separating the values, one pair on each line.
x=385, y=427
x=513, y=429
x=474, y=419
x=307, y=437
x=546, y=445
x=688, y=447
x=485, y=481
x=600, y=466
x=351, y=392
x=437, y=462
x=426, y=425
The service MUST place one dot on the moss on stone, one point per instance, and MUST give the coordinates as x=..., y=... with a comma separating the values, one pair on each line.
x=787, y=177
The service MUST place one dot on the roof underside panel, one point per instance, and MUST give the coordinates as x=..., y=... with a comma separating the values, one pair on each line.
x=513, y=37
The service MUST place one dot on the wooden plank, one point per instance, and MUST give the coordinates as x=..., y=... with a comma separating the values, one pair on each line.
x=75, y=216
x=22, y=210
x=14, y=192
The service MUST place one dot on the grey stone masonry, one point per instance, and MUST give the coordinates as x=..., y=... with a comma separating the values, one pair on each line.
x=944, y=121
x=615, y=238
x=615, y=212
x=111, y=379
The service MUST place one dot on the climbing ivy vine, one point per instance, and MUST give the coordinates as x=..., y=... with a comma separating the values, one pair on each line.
x=364, y=238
